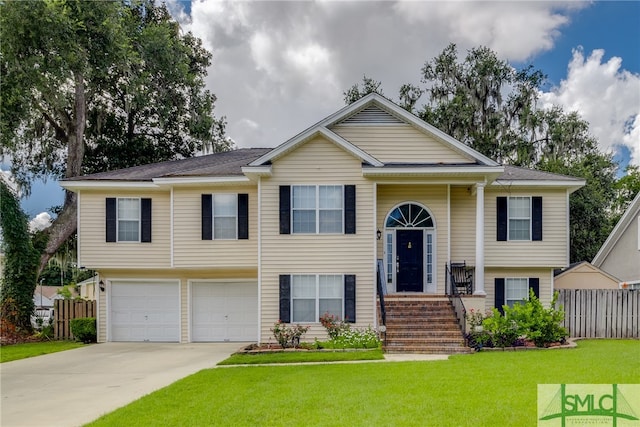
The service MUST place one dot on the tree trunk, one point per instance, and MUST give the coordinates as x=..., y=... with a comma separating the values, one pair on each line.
x=67, y=221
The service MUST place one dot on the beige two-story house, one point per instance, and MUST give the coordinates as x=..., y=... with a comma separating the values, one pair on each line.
x=220, y=247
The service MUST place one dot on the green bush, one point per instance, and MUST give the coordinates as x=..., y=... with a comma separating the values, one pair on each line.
x=530, y=321
x=540, y=325
x=84, y=329
x=503, y=330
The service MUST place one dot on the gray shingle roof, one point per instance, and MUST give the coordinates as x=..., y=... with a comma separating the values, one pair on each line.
x=228, y=163
x=516, y=173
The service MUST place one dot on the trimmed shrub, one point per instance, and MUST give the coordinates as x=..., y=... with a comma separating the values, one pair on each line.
x=84, y=329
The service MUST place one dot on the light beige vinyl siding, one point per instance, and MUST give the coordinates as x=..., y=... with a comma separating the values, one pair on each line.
x=434, y=198
x=97, y=253
x=399, y=143
x=318, y=162
x=550, y=252
x=463, y=225
x=189, y=250
x=544, y=274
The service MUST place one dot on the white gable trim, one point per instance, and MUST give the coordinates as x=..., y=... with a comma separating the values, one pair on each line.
x=309, y=134
x=361, y=104
x=618, y=230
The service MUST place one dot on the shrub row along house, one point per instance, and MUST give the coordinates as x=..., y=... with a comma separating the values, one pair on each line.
x=220, y=247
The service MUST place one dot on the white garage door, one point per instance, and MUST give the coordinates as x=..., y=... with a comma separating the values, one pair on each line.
x=224, y=311
x=144, y=311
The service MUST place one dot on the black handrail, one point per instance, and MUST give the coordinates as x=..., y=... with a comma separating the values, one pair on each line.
x=382, y=290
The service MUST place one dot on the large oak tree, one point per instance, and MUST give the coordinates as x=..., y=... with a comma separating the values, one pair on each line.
x=93, y=86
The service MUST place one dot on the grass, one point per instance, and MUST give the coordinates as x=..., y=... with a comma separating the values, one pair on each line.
x=297, y=357
x=12, y=352
x=483, y=389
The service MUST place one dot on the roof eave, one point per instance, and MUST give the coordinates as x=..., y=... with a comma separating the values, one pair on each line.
x=78, y=185
x=571, y=185
x=617, y=231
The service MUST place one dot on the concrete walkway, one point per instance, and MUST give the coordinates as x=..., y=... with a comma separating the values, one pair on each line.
x=75, y=387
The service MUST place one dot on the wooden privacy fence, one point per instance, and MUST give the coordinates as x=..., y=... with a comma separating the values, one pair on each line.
x=601, y=313
x=65, y=311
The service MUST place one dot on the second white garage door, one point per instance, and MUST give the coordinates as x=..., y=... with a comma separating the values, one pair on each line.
x=224, y=311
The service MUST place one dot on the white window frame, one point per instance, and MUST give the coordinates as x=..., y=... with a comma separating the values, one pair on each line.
x=118, y=219
x=510, y=281
x=213, y=216
x=317, y=208
x=317, y=296
x=529, y=218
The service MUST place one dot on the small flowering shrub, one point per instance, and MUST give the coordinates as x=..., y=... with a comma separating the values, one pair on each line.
x=341, y=335
x=288, y=336
x=333, y=325
x=478, y=337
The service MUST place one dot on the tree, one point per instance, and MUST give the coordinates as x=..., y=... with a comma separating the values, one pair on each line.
x=94, y=86
x=356, y=91
x=19, y=269
x=487, y=104
x=626, y=188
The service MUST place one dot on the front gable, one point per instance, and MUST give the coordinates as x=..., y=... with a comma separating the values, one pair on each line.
x=374, y=124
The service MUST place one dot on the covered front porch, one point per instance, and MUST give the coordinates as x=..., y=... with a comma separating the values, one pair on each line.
x=431, y=238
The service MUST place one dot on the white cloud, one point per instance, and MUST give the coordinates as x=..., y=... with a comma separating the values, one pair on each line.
x=7, y=178
x=279, y=67
x=606, y=95
x=40, y=222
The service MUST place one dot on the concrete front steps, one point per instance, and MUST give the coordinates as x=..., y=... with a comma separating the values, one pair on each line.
x=422, y=324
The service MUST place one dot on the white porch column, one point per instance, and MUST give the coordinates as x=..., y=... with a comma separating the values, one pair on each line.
x=479, y=239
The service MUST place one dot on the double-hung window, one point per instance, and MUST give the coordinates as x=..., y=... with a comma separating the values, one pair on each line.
x=128, y=220
x=317, y=208
x=313, y=295
x=519, y=218
x=516, y=290
x=225, y=216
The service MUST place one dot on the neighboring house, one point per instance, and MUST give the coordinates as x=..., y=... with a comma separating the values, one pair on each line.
x=220, y=247
x=87, y=288
x=583, y=275
x=620, y=253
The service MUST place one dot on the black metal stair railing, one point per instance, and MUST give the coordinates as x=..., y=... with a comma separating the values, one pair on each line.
x=382, y=290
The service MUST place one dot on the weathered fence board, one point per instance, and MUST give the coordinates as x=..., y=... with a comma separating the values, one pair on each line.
x=601, y=313
x=65, y=311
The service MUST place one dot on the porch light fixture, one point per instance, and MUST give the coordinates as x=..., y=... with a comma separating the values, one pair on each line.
x=101, y=284
x=379, y=234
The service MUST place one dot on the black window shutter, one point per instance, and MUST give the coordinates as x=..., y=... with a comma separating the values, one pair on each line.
x=111, y=209
x=350, y=209
x=534, y=284
x=285, y=298
x=502, y=218
x=285, y=209
x=207, y=217
x=350, y=298
x=243, y=216
x=536, y=213
x=145, y=218
x=499, y=294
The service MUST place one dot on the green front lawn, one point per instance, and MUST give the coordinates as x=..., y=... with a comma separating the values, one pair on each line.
x=483, y=389
x=32, y=349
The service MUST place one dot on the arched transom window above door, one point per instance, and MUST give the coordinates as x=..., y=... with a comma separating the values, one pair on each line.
x=409, y=215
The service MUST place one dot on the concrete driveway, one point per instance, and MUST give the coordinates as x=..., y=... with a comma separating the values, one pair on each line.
x=74, y=387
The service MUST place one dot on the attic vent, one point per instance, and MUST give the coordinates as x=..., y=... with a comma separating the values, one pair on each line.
x=372, y=115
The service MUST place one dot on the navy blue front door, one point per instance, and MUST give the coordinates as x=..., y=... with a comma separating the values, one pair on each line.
x=410, y=259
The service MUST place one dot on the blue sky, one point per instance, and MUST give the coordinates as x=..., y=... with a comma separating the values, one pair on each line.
x=297, y=58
